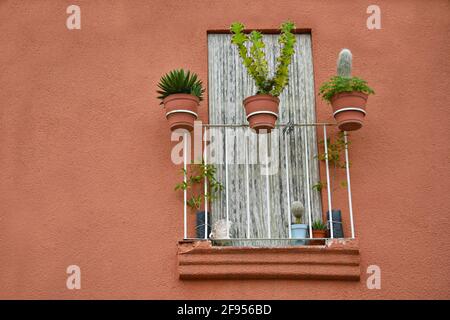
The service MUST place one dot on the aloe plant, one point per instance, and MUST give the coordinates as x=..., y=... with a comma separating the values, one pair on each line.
x=180, y=81
x=318, y=225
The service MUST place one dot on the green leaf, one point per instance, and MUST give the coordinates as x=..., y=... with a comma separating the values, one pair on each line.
x=338, y=84
x=318, y=225
x=180, y=81
x=255, y=61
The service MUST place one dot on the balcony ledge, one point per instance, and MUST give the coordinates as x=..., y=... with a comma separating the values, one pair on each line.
x=338, y=259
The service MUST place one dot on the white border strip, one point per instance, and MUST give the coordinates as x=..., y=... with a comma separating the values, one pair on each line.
x=349, y=188
x=262, y=112
x=182, y=111
x=330, y=207
x=349, y=109
x=185, y=144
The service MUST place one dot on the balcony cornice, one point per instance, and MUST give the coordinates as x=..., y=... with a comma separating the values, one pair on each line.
x=337, y=260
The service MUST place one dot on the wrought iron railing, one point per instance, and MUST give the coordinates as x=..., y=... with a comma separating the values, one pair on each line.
x=285, y=130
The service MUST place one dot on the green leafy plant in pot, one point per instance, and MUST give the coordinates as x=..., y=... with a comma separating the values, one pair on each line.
x=347, y=95
x=298, y=229
x=262, y=108
x=181, y=92
x=319, y=230
x=194, y=185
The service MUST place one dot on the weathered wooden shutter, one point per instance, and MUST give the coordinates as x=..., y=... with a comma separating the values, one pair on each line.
x=229, y=84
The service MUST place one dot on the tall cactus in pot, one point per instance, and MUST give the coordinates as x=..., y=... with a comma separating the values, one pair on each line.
x=298, y=228
x=347, y=94
x=262, y=108
x=344, y=64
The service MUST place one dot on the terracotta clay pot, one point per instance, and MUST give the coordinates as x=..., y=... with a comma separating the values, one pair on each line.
x=261, y=111
x=318, y=234
x=181, y=110
x=349, y=109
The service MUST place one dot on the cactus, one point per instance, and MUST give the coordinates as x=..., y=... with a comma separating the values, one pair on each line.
x=343, y=81
x=344, y=64
x=255, y=61
x=297, y=210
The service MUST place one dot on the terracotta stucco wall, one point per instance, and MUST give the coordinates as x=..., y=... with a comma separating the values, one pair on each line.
x=85, y=170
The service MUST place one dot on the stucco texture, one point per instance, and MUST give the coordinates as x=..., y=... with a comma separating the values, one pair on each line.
x=85, y=170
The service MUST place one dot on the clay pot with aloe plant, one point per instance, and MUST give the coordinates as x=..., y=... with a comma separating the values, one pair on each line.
x=347, y=95
x=181, y=92
x=262, y=109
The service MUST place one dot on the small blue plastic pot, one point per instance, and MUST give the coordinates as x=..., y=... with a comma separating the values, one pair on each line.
x=299, y=231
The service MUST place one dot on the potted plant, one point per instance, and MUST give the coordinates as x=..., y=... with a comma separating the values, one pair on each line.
x=181, y=92
x=298, y=228
x=262, y=109
x=194, y=184
x=319, y=230
x=347, y=95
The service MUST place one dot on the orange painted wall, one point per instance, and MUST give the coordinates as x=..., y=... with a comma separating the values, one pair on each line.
x=85, y=170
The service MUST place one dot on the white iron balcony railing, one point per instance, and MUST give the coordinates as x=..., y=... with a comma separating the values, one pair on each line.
x=250, y=216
